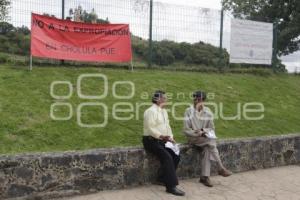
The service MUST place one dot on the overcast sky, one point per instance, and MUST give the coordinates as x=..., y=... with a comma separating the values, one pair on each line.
x=216, y=4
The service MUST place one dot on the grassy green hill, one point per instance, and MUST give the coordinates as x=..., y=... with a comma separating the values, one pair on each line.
x=25, y=101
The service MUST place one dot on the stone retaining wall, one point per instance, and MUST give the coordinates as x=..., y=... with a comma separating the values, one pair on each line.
x=48, y=175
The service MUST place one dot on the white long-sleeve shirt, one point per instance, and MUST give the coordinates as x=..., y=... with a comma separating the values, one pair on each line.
x=156, y=122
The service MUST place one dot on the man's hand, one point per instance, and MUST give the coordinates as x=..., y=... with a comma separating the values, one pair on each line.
x=167, y=138
x=172, y=140
x=164, y=138
x=200, y=132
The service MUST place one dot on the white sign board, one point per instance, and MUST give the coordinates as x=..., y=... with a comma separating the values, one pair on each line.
x=251, y=42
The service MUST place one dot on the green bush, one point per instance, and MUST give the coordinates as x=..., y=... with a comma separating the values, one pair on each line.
x=139, y=49
x=3, y=58
x=14, y=40
x=162, y=56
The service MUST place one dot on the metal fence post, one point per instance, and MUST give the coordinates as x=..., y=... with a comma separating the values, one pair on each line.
x=63, y=17
x=150, y=35
x=221, y=39
x=63, y=9
x=275, y=38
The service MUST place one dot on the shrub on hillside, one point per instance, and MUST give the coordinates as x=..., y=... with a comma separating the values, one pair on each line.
x=3, y=58
x=162, y=55
x=14, y=40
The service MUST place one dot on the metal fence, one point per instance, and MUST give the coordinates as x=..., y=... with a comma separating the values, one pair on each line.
x=166, y=22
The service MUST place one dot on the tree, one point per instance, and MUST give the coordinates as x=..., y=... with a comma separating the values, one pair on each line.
x=4, y=5
x=162, y=55
x=80, y=15
x=14, y=40
x=285, y=12
x=6, y=28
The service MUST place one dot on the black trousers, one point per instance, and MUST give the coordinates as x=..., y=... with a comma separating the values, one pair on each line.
x=168, y=160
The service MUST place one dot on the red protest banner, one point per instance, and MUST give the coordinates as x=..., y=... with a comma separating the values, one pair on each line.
x=67, y=40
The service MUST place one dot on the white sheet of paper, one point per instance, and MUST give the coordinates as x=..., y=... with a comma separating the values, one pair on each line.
x=211, y=134
x=173, y=147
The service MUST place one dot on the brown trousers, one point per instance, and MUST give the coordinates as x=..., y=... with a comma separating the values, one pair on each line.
x=210, y=153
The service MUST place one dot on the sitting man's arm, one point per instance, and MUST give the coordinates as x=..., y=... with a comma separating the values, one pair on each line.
x=209, y=132
x=210, y=125
x=187, y=127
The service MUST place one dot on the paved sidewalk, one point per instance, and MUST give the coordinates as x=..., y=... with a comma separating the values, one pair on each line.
x=270, y=184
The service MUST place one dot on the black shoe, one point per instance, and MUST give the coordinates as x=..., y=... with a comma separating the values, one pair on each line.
x=175, y=191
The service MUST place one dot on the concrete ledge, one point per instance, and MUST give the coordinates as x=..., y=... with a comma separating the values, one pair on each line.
x=48, y=175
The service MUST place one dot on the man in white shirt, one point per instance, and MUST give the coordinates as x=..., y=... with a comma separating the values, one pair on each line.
x=200, y=131
x=157, y=132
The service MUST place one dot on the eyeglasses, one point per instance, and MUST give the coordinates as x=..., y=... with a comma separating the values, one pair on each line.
x=198, y=99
